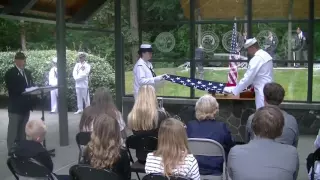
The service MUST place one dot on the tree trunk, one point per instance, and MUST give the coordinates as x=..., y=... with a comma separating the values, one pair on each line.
x=134, y=29
x=23, y=36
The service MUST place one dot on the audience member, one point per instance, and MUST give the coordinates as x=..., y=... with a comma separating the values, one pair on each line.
x=310, y=160
x=32, y=147
x=263, y=158
x=172, y=156
x=274, y=95
x=146, y=116
x=104, y=151
x=207, y=127
x=102, y=103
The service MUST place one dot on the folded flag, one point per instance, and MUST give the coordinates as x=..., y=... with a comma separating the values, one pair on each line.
x=209, y=86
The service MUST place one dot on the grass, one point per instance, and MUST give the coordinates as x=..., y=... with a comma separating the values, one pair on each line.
x=294, y=81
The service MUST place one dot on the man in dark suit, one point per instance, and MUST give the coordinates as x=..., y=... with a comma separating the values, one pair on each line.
x=301, y=47
x=17, y=79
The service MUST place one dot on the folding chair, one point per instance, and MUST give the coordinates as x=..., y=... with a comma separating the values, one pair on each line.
x=143, y=145
x=85, y=172
x=82, y=139
x=162, y=177
x=209, y=147
x=29, y=168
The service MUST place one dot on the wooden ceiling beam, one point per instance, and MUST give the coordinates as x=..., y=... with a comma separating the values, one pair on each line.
x=18, y=6
x=89, y=9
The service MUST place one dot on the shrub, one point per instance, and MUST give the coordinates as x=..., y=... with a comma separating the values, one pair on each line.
x=39, y=62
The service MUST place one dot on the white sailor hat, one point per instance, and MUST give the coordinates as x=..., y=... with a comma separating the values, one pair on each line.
x=145, y=48
x=82, y=54
x=54, y=59
x=250, y=42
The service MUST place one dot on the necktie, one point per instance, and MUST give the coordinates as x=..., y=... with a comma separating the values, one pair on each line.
x=24, y=75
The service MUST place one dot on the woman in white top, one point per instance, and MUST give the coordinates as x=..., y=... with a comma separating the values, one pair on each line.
x=172, y=158
x=143, y=70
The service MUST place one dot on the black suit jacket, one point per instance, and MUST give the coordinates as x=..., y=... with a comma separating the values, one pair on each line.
x=16, y=85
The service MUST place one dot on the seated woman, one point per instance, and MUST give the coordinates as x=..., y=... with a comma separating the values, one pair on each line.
x=263, y=158
x=146, y=116
x=172, y=158
x=32, y=147
x=102, y=103
x=207, y=127
x=104, y=151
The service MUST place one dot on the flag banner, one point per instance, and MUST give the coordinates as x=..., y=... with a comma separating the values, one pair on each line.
x=209, y=86
x=234, y=55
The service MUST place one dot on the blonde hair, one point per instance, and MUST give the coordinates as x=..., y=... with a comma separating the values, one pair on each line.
x=104, y=146
x=172, y=144
x=144, y=114
x=206, y=107
x=35, y=130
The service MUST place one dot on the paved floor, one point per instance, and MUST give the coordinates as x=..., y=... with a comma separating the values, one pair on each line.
x=67, y=156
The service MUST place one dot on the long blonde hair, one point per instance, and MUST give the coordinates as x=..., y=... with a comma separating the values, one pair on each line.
x=144, y=114
x=172, y=144
x=104, y=146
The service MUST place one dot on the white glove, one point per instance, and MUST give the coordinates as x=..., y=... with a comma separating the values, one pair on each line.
x=161, y=77
x=228, y=90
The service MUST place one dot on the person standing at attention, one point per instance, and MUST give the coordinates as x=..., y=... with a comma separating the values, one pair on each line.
x=259, y=72
x=53, y=81
x=80, y=74
x=143, y=70
x=17, y=79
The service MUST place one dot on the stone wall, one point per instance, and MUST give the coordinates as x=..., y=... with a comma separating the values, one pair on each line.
x=236, y=112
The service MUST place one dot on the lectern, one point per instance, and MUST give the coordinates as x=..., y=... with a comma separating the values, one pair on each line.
x=41, y=91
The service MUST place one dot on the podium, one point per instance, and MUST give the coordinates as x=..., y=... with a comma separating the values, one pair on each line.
x=41, y=91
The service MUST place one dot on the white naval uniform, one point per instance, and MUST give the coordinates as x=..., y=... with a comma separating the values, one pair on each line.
x=53, y=81
x=143, y=75
x=80, y=74
x=259, y=72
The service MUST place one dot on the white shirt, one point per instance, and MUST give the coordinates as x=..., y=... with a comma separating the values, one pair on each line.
x=81, y=74
x=189, y=168
x=143, y=75
x=53, y=78
x=259, y=72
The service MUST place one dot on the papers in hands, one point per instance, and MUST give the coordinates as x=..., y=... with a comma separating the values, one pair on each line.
x=30, y=89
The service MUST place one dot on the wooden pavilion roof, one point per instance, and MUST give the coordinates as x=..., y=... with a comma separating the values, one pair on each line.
x=77, y=11
x=262, y=9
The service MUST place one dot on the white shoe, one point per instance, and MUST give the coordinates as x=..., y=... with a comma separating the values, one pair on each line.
x=78, y=112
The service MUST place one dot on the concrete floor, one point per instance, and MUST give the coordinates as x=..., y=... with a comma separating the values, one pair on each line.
x=67, y=156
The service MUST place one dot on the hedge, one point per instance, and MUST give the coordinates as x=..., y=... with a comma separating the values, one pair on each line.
x=39, y=62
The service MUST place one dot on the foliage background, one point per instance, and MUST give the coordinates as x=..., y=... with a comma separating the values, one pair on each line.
x=39, y=62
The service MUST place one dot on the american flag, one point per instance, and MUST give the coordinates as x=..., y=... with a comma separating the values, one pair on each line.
x=234, y=55
x=209, y=86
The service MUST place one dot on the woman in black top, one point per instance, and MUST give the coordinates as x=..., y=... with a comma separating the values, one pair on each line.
x=104, y=149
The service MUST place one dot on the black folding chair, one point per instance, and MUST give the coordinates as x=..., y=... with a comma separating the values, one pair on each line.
x=162, y=177
x=143, y=145
x=316, y=157
x=85, y=172
x=82, y=139
x=28, y=168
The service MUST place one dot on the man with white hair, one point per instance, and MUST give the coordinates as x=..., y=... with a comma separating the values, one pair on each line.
x=259, y=72
x=81, y=73
x=53, y=81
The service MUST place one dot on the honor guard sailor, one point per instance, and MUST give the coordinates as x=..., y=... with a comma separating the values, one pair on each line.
x=53, y=81
x=81, y=73
x=259, y=72
x=143, y=70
